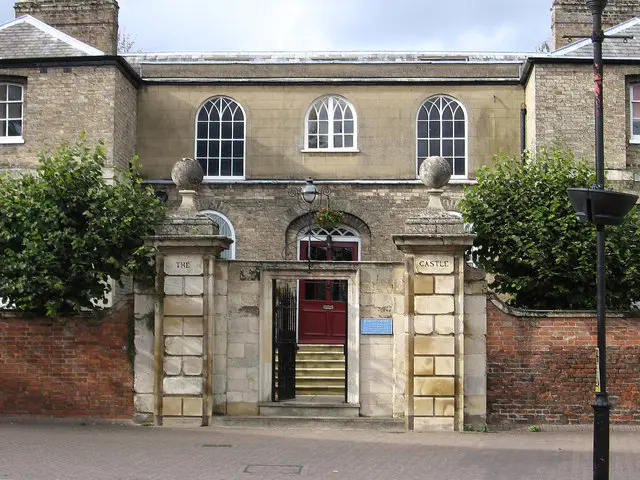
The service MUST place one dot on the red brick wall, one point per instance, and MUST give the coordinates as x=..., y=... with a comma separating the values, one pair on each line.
x=80, y=369
x=542, y=369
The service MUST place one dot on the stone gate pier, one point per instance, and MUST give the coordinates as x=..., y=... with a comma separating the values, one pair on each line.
x=443, y=340
x=174, y=358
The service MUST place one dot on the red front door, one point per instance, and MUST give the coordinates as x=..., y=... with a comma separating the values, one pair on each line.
x=323, y=303
x=323, y=311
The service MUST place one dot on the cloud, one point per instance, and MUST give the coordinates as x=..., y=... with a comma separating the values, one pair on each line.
x=235, y=25
x=497, y=38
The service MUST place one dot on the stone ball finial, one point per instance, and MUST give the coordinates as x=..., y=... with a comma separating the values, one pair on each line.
x=187, y=174
x=435, y=172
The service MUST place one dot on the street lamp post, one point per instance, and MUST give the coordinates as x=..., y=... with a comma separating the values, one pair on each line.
x=601, y=405
x=601, y=207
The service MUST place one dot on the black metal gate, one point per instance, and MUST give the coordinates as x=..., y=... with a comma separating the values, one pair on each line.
x=284, y=341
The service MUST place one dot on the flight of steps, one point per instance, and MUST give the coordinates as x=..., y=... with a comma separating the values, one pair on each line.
x=320, y=398
x=320, y=389
x=320, y=370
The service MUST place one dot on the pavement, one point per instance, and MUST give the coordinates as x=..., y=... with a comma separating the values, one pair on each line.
x=70, y=451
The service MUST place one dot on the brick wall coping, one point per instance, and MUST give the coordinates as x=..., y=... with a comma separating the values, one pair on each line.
x=88, y=315
x=525, y=313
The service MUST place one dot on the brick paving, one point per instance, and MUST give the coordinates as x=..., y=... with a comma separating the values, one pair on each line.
x=55, y=451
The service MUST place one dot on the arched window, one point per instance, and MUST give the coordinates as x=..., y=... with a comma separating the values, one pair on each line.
x=226, y=229
x=331, y=124
x=442, y=131
x=339, y=243
x=220, y=138
x=11, y=113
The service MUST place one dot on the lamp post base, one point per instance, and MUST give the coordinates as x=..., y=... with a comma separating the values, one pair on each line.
x=601, y=407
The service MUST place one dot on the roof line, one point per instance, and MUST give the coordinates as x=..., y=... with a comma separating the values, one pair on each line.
x=336, y=80
x=77, y=61
x=49, y=30
x=328, y=62
x=308, y=53
x=587, y=41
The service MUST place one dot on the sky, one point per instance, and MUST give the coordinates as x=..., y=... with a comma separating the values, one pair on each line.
x=334, y=25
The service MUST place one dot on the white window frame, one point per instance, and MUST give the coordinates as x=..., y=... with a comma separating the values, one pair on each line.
x=633, y=138
x=244, y=140
x=306, y=237
x=330, y=101
x=4, y=105
x=230, y=253
x=466, y=134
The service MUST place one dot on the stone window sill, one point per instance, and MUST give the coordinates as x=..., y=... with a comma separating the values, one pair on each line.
x=330, y=150
x=11, y=140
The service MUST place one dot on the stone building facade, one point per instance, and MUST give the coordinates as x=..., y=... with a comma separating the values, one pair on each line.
x=559, y=91
x=360, y=125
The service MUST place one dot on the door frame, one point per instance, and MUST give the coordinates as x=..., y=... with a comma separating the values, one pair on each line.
x=299, y=271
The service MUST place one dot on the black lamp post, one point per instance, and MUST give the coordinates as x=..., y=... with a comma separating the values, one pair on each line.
x=601, y=207
x=601, y=405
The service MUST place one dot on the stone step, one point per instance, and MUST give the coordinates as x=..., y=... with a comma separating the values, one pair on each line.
x=320, y=347
x=311, y=362
x=319, y=356
x=324, y=390
x=319, y=389
x=328, y=366
x=319, y=381
x=320, y=423
x=312, y=371
x=324, y=362
x=317, y=409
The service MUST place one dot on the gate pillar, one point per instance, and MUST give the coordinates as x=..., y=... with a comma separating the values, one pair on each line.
x=183, y=311
x=434, y=245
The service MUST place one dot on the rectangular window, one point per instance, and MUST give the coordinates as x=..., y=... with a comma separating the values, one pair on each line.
x=635, y=113
x=11, y=113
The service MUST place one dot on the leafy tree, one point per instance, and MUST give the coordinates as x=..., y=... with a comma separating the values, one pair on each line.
x=543, y=47
x=125, y=42
x=529, y=237
x=64, y=231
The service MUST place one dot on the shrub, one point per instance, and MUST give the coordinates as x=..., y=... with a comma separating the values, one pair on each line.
x=64, y=231
x=529, y=238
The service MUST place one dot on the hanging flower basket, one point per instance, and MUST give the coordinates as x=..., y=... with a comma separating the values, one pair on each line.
x=328, y=218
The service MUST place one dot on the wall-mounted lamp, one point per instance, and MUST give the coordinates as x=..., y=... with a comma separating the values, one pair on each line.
x=309, y=192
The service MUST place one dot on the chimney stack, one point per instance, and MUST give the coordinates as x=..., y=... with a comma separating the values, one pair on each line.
x=94, y=22
x=572, y=17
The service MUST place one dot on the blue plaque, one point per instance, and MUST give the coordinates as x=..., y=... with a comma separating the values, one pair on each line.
x=376, y=326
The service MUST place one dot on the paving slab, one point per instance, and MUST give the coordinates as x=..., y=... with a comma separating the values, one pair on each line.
x=67, y=451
